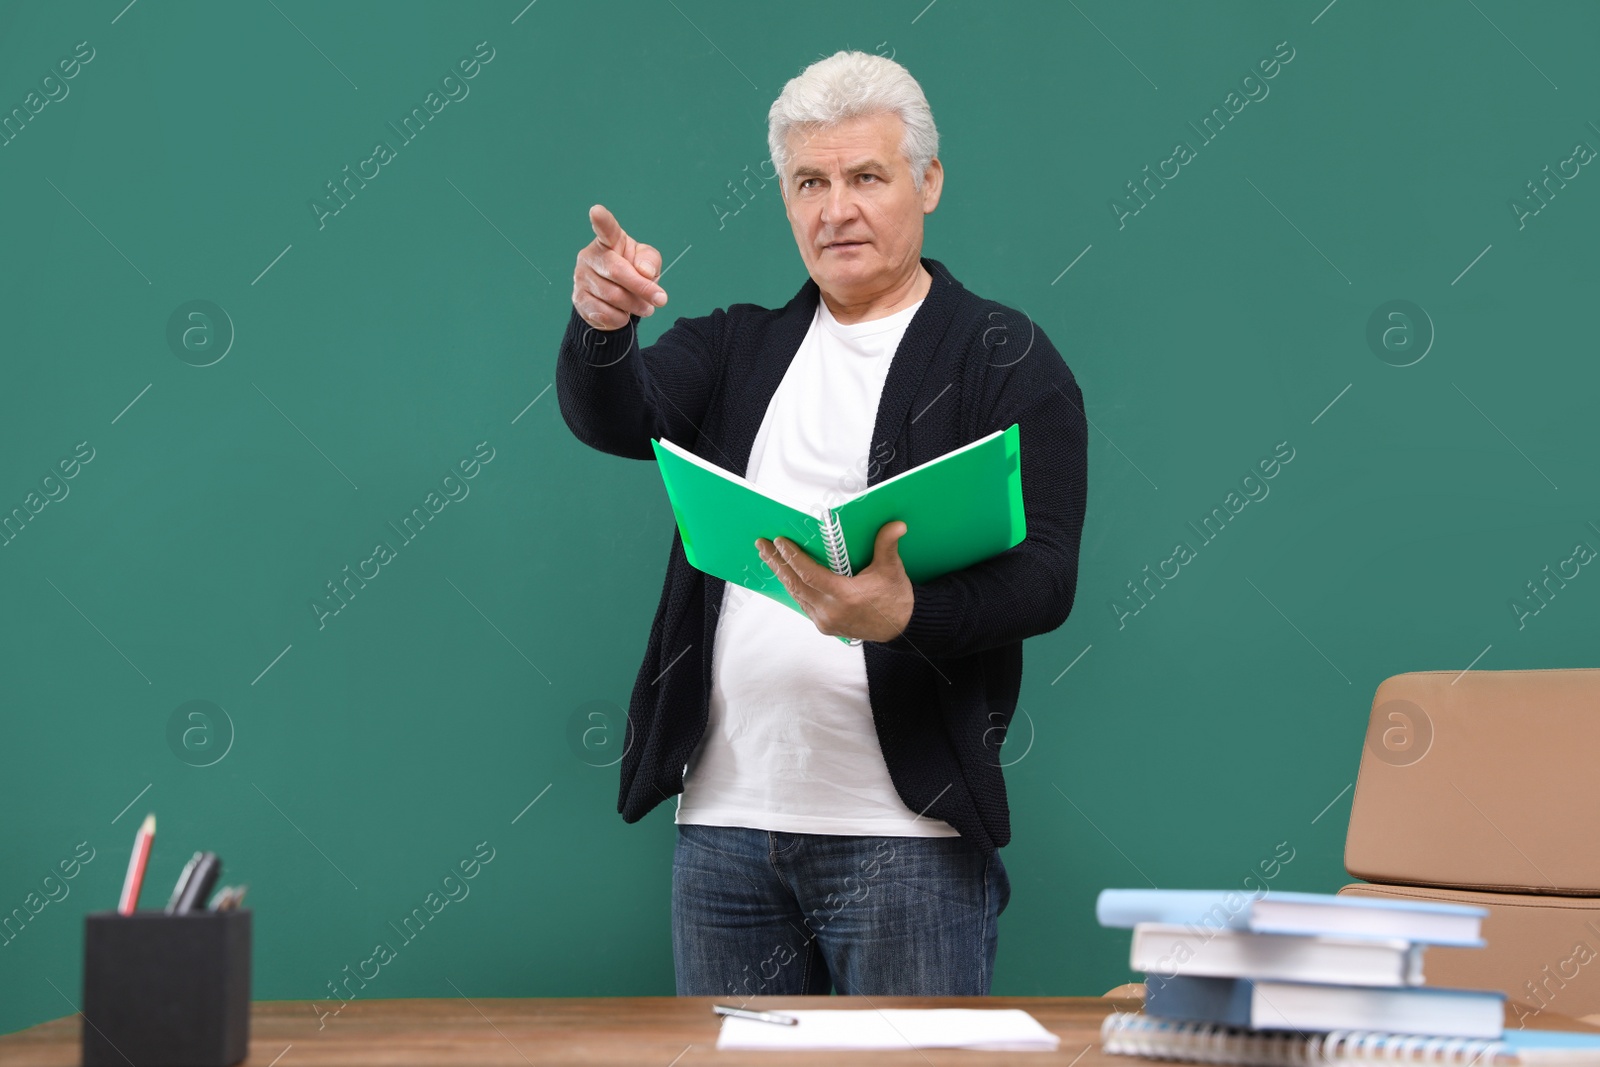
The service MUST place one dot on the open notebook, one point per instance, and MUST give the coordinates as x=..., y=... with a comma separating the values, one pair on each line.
x=959, y=509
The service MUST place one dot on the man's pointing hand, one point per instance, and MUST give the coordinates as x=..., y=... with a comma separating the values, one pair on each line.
x=615, y=275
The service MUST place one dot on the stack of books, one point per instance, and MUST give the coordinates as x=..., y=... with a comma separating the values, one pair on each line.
x=1306, y=978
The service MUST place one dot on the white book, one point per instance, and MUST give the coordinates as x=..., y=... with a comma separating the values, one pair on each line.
x=1164, y=950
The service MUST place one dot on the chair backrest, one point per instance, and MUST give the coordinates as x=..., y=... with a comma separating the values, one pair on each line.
x=1484, y=788
x=1486, y=780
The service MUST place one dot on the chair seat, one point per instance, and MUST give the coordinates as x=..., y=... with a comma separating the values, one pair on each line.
x=1543, y=951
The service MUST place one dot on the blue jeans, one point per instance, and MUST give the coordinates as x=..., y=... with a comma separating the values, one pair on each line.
x=759, y=912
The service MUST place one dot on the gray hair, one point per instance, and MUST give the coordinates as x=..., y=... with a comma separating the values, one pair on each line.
x=847, y=85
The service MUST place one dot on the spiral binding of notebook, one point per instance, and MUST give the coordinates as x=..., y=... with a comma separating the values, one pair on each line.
x=1141, y=1035
x=838, y=554
x=833, y=541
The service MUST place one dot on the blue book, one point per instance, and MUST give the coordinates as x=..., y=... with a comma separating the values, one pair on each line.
x=1552, y=1046
x=1258, y=1004
x=1324, y=914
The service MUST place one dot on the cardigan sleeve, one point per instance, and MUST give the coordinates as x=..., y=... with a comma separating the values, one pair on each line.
x=616, y=395
x=1029, y=588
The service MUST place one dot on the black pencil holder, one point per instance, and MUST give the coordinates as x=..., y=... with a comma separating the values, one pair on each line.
x=167, y=990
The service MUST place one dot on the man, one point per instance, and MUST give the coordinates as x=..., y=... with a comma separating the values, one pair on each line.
x=841, y=806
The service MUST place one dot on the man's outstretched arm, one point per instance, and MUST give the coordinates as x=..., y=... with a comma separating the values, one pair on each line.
x=614, y=395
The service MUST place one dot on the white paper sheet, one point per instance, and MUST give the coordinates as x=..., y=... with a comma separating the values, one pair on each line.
x=992, y=1029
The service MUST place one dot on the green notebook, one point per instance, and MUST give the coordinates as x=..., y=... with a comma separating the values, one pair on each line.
x=958, y=509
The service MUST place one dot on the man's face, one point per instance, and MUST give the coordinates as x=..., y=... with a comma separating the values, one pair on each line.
x=855, y=212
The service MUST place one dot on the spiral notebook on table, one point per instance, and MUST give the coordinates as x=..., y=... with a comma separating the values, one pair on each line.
x=1127, y=1034
x=959, y=509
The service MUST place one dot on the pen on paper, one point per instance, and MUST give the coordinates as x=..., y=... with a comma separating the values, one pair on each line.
x=757, y=1016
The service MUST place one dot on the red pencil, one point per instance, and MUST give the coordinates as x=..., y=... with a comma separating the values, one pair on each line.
x=136, y=862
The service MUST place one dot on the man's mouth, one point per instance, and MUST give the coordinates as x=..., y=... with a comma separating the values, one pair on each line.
x=845, y=244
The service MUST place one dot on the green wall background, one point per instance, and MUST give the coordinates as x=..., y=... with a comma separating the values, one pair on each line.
x=352, y=764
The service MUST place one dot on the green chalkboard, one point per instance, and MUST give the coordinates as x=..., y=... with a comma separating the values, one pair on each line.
x=299, y=554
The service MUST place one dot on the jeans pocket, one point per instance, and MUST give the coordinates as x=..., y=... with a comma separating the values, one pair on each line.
x=1001, y=881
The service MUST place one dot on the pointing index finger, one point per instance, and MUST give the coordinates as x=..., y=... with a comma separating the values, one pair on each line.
x=606, y=227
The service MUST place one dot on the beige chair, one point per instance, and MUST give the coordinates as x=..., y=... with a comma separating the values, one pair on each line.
x=1484, y=788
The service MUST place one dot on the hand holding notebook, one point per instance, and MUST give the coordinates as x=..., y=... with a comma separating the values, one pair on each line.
x=873, y=604
x=959, y=509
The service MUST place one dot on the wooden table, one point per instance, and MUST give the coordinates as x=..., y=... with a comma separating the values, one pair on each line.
x=620, y=1031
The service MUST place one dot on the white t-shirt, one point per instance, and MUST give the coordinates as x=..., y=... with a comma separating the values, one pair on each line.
x=790, y=743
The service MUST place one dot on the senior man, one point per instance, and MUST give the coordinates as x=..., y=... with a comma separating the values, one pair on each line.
x=840, y=806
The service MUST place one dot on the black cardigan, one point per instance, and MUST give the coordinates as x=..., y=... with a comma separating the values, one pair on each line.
x=944, y=691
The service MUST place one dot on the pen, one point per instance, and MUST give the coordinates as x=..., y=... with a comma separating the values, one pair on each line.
x=136, y=863
x=183, y=882
x=758, y=1016
x=206, y=870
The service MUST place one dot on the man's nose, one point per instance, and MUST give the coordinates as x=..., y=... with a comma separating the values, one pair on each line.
x=840, y=204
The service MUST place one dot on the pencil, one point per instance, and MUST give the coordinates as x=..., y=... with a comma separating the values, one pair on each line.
x=136, y=863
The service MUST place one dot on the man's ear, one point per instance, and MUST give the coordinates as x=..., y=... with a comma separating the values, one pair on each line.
x=932, y=186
